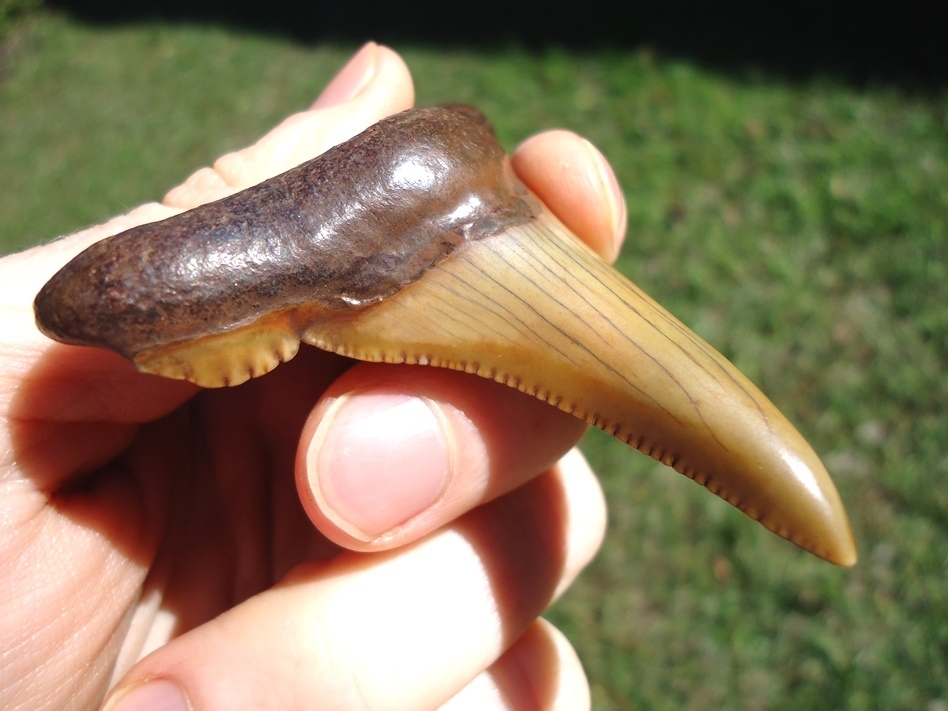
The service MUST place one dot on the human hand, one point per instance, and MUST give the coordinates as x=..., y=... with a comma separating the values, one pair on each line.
x=152, y=532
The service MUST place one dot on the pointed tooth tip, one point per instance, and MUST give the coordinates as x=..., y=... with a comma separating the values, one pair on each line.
x=846, y=558
x=839, y=550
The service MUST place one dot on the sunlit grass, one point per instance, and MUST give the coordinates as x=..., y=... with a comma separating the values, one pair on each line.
x=800, y=227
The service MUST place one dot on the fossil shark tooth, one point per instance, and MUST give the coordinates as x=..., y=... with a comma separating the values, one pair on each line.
x=414, y=242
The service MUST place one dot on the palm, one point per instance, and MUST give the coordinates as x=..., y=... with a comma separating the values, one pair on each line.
x=235, y=525
x=191, y=514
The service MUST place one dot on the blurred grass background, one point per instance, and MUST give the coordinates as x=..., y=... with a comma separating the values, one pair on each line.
x=788, y=199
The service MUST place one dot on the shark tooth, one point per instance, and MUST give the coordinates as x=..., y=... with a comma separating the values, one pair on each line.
x=414, y=242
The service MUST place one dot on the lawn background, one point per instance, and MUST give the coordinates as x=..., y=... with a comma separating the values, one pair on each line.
x=788, y=199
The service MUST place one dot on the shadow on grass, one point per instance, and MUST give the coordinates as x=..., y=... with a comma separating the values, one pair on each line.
x=861, y=46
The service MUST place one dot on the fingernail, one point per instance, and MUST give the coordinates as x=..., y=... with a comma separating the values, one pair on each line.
x=617, y=208
x=350, y=80
x=377, y=460
x=159, y=695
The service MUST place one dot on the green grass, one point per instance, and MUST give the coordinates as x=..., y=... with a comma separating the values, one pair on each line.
x=801, y=227
x=11, y=12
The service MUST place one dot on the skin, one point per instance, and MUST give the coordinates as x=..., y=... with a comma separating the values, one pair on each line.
x=159, y=542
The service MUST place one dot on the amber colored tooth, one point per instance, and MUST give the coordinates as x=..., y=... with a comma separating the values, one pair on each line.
x=534, y=308
x=415, y=243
